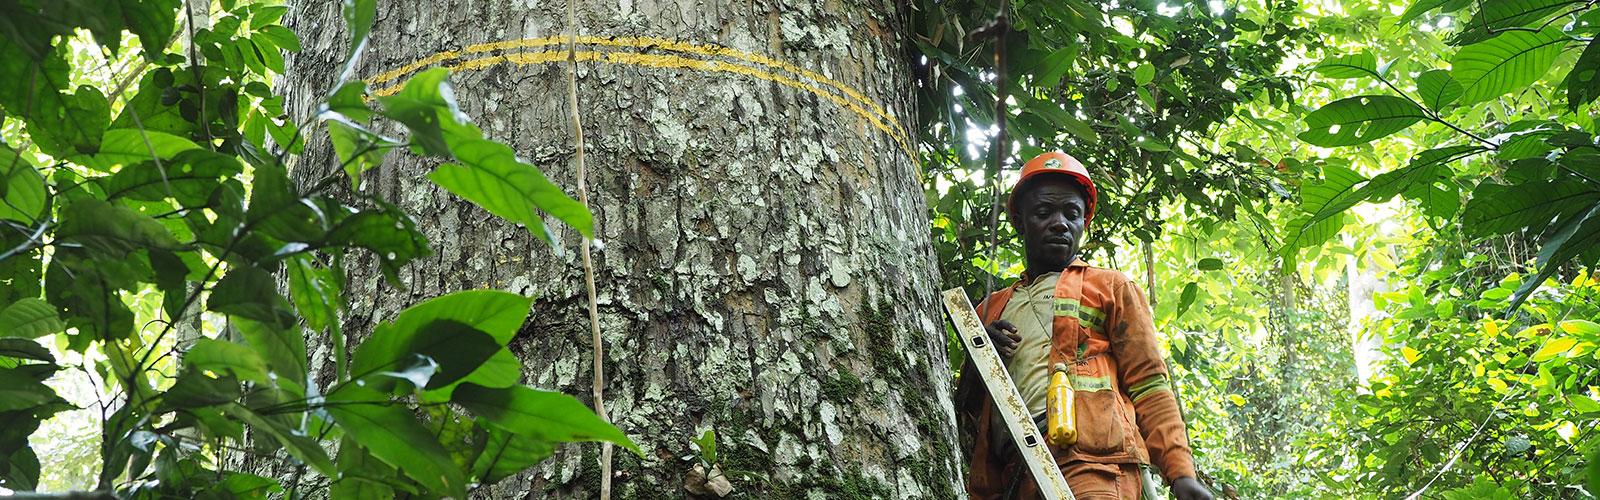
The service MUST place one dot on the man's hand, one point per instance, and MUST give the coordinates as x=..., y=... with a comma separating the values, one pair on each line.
x=1005, y=337
x=1187, y=488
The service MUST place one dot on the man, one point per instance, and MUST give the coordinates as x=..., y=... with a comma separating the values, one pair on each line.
x=1094, y=321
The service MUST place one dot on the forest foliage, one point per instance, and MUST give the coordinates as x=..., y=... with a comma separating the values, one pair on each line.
x=146, y=227
x=1369, y=233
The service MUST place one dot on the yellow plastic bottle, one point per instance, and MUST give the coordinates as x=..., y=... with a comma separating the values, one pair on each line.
x=1061, y=421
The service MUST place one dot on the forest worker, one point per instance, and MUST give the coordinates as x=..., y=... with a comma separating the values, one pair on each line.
x=1094, y=323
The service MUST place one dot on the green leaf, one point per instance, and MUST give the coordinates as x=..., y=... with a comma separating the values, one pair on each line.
x=110, y=229
x=1499, y=209
x=1144, y=74
x=506, y=454
x=18, y=348
x=707, y=445
x=425, y=106
x=195, y=389
x=20, y=391
x=1574, y=235
x=358, y=17
x=387, y=232
x=153, y=21
x=250, y=292
x=283, y=350
x=315, y=291
x=552, y=416
x=22, y=189
x=1583, y=328
x=1582, y=86
x=1054, y=66
x=222, y=357
x=297, y=444
x=489, y=317
x=64, y=125
x=281, y=37
x=1209, y=264
x=1300, y=232
x=29, y=318
x=125, y=146
x=1359, y=120
x=1437, y=89
x=393, y=435
x=491, y=176
x=1418, y=8
x=1190, y=292
x=1494, y=17
x=190, y=178
x=1554, y=347
x=360, y=474
x=359, y=149
x=1508, y=62
x=1357, y=65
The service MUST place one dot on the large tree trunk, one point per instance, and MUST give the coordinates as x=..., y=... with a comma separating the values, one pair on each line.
x=766, y=269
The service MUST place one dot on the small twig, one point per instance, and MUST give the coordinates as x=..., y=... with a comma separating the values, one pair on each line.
x=997, y=29
x=588, y=264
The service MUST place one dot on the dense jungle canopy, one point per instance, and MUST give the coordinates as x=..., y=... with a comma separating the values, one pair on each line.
x=1369, y=232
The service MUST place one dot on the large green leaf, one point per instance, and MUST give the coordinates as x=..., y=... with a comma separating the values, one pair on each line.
x=1500, y=209
x=283, y=350
x=29, y=318
x=190, y=178
x=552, y=416
x=1437, y=89
x=1508, y=62
x=1358, y=65
x=393, y=435
x=1359, y=120
x=22, y=189
x=222, y=357
x=358, y=18
x=489, y=316
x=490, y=176
x=25, y=349
x=128, y=146
x=507, y=453
x=20, y=391
x=1495, y=16
x=1582, y=85
x=112, y=230
x=1418, y=8
x=153, y=21
x=1573, y=235
x=315, y=291
x=250, y=292
x=296, y=443
x=387, y=232
x=63, y=125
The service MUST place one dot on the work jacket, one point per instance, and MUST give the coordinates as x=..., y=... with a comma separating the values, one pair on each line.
x=1126, y=412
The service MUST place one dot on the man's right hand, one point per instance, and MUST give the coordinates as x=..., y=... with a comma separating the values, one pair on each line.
x=1005, y=337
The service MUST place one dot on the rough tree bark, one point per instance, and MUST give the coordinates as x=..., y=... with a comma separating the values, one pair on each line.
x=766, y=269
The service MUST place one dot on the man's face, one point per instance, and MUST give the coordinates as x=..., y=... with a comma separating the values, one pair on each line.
x=1050, y=217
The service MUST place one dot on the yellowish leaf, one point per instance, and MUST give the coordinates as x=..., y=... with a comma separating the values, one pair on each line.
x=1498, y=385
x=1580, y=327
x=1236, y=399
x=1410, y=354
x=1491, y=328
x=1553, y=348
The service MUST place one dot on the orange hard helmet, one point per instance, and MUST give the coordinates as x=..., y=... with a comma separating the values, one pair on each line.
x=1057, y=163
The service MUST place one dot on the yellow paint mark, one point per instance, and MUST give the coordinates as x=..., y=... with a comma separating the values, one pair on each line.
x=668, y=62
x=419, y=64
x=895, y=131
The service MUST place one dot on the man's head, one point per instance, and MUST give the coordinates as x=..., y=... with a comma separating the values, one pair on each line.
x=1050, y=207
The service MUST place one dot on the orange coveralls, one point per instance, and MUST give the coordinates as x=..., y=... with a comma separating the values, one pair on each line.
x=1126, y=412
